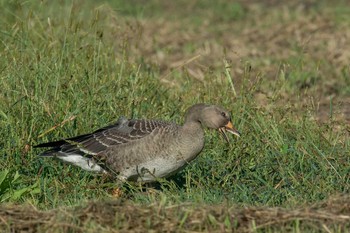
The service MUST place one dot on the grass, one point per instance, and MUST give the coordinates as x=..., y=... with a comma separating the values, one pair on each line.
x=68, y=68
x=99, y=216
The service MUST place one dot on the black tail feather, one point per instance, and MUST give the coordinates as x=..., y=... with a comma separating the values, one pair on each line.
x=63, y=142
x=79, y=138
x=50, y=153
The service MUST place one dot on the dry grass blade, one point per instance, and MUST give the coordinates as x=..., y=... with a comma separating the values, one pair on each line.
x=58, y=125
x=182, y=64
x=123, y=216
x=229, y=76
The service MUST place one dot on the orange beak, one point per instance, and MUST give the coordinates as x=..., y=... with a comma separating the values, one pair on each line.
x=229, y=128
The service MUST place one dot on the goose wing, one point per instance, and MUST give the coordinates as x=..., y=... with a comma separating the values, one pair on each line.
x=123, y=131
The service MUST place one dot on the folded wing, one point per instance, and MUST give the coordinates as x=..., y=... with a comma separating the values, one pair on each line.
x=123, y=131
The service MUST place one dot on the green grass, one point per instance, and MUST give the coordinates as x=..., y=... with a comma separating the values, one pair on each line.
x=76, y=63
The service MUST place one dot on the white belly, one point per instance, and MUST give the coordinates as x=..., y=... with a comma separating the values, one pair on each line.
x=153, y=169
x=83, y=162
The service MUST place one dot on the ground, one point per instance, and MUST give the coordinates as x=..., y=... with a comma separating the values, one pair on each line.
x=281, y=68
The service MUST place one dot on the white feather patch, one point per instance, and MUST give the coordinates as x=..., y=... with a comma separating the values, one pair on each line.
x=83, y=162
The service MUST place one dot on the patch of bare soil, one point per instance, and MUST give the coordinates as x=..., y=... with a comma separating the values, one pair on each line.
x=119, y=216
x=283, y=39
x=171, y=43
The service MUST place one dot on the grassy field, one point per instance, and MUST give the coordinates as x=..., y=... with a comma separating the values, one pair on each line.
x=282, y=69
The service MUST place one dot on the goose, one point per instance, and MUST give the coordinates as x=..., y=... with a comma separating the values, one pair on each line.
x=143, y=150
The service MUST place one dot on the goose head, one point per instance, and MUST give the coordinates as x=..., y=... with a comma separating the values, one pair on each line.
x=212, y=117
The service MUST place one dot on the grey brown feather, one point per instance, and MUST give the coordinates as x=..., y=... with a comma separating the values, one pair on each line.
x=141, y=150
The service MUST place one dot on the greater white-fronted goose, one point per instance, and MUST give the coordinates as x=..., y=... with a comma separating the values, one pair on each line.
x=143, y=150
